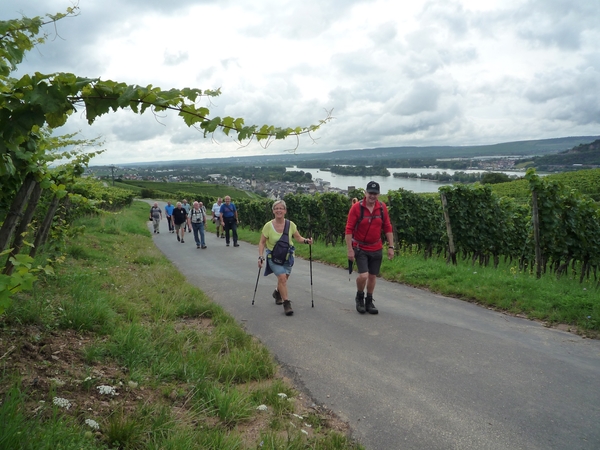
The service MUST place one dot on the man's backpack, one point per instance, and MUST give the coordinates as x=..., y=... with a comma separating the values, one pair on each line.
x=282, y=246
x=362, y=215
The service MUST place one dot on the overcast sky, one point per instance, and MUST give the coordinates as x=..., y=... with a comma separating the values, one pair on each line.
x=395, y=73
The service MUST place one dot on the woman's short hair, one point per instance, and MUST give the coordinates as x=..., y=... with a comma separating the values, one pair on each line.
x=278, y=202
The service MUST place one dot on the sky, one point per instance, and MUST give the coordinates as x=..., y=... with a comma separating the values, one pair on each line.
x=392, y=73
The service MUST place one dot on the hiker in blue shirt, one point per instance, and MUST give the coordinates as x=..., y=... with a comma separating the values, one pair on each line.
x=229, y=220
x=169, y=212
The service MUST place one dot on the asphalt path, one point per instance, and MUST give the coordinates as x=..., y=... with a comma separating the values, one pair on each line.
x=429, y=372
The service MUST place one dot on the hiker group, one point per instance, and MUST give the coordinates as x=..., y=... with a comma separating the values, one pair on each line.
x=367, y=221
x=183, y=217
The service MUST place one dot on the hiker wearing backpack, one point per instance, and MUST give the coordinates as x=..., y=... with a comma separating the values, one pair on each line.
x=229, y=221
x=275, y=237
x=366, y=221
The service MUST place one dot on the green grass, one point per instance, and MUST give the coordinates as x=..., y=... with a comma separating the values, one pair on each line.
x=118, y=314
x=168, y=190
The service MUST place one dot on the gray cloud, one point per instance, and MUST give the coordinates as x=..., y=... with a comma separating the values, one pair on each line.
x=432, y=73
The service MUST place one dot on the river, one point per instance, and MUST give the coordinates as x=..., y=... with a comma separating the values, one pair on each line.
x=390, y=183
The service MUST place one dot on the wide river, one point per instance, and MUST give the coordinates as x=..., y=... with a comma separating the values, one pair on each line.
x=390, y=183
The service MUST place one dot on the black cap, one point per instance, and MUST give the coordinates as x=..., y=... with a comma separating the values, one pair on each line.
x=373, y=187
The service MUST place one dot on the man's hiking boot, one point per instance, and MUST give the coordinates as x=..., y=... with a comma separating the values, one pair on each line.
x=360, y=302
x=277, y=297
x=287, y=308
x=370, y=307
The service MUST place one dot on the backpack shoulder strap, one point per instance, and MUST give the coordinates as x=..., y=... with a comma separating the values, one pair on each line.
x=286, y=229
x=362, y=216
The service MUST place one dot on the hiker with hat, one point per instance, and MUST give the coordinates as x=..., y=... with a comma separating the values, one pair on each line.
x=367, y=219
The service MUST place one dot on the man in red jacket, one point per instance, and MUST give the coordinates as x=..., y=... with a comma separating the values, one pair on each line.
x=367, y=219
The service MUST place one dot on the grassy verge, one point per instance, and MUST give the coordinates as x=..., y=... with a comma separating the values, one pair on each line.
x=118, y=351
x=563, y=302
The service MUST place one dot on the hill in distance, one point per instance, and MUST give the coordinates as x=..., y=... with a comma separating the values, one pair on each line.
x=514, y=149
x=582, y=155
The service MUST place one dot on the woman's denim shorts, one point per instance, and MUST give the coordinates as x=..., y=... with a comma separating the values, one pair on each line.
x=278, y=269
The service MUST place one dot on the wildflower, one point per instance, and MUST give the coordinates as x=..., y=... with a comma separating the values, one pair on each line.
x=92, y=423
x=61, y=402
x=307, y=425
x=262, y=407
x=297, y=416
x=107, y=390
x=305, y=432
x=282, y=395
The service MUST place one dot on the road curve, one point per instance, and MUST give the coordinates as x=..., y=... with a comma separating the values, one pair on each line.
x=429, y=372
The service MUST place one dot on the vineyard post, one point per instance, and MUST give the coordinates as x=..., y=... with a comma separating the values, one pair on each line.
x=19, y=238
x=452, y=254
x=15, y=210
x=44, y=229
x=536, y=234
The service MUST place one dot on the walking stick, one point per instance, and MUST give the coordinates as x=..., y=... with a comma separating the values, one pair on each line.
x=256, y=287
x=312, y=300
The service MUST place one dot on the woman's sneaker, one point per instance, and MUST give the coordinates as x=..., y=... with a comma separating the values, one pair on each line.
x=277, y=297
x=287, y=308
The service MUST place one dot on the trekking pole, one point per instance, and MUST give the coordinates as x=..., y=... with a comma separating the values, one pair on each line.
x=312, y=300
x=256, y=287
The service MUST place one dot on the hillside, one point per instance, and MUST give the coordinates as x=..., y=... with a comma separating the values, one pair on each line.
x=580, y=156
x=585, y=181
x=517, y=148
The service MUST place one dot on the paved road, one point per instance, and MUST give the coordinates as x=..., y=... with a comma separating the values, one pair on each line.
x=428, y=372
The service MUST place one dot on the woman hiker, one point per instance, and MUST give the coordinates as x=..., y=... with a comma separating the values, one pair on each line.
x=280, y=258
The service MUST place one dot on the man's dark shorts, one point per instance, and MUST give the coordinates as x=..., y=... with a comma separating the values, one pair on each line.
x=368, y=261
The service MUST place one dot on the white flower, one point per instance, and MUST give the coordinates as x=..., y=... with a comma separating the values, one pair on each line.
x=262, y=407
x=61, y=402
x=305, y=432
x=307, y=425
x=282, y=395
x=88, y=379
x=92, y=423
x=297, y=416
x=107, y=390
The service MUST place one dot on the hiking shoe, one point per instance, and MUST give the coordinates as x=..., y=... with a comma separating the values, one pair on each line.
x=227, y=244
x=182, y=241
x=178, y=238
x=197, y=246
x=370, y=307
x=287, y=308
x=277, y=297
x=236, y=245
x=222, y=236
x=360, y=302
x=217, y=234
x=204, y=246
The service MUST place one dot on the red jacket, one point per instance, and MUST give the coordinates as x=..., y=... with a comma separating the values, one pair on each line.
x=367, y=236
